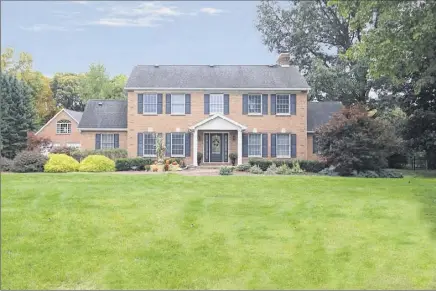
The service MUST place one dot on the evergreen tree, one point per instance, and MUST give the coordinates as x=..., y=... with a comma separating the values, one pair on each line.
x=16, y=118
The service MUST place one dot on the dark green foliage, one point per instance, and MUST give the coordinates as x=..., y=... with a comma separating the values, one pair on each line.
x=387, y=173
x=256, y=170
x=112, y=154
x=6, y=164
x=233, y=157
x=29, y=161
x=383, y=173
x=226, y=171
x=397, y=161
x=367, y=174
x=16, y=115
x=306, y=165
x=243, y=167
x=328, y=172
x=129, y=164
x=63, y=150
x=199, y=158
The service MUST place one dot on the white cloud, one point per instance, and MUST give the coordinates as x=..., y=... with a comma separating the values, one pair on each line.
x=123, y=22
x=211, y=11
x=65, y=14
x=81, y=2
x=48, y=27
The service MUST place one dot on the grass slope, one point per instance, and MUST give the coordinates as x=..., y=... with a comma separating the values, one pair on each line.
x=109, y=231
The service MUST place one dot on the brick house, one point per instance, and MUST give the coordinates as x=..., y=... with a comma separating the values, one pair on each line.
x=251, y=110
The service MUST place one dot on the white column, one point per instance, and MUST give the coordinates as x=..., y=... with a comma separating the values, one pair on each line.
x=239, y=147
x=195, y=149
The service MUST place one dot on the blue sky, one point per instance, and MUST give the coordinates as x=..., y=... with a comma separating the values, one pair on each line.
x=68, y=36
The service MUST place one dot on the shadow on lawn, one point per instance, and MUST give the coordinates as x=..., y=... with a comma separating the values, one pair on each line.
x=427, y=198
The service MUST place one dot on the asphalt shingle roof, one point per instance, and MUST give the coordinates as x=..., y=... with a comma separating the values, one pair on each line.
x=104, y=114
x=219, y=76
x=77, y=115
x=319, y=113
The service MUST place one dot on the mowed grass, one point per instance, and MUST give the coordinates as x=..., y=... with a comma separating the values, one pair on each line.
x=114, y=231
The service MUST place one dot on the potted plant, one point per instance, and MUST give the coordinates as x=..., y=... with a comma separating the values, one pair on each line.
x=233, y=157
x=160, y=152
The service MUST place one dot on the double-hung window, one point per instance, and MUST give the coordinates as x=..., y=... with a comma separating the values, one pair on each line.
x=177, y=103
x=107, y=141
x=177, y=144
x=283, y=146
x=216, y=104
x=254, y=104
x=149, y=144
x=63, y=127
x=283, y=104
x=150, y=103
x=255, y=145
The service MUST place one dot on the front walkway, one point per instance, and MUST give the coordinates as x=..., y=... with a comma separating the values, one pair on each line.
x=190, y=172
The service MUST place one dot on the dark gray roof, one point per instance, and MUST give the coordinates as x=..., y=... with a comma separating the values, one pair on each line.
x=219, y=76
x=77, y=115
x=104, y=114
x=319, y=113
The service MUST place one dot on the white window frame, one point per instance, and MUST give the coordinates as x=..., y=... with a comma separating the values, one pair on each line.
x=210, y=103
x=113, y=141
x=261, y=104
x=144, y=104
x=289, y=104
x=184, y=143
x=184, y=104
x=59, y=126
x=143, y=144
x=290, y=146
x=261, y=145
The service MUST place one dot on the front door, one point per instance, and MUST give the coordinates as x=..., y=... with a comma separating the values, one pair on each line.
x=216, y=147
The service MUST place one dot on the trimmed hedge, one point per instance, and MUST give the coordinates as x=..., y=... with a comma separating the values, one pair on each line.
x=63, y=150
x=226, y=171
x=112, y=154
x=6, y=164
x=306, y=165
x=29, y=161
x=243, y=167
x=61, y=163
x=129, y=164
x=97, y=163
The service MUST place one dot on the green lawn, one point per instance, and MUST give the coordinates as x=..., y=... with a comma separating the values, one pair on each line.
x=118, y=231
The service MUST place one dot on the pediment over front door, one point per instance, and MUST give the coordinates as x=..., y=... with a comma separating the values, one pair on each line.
x=218, y=122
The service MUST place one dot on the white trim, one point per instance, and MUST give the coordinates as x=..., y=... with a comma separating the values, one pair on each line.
x=228, y=145
x=184, y=145
x=63, y=110
x=204, y=121
x=184, y=104
x=310, y=131
x=113, y=140
x=215, y=89
x=216, y=94
x=289, y=104
x=290, y=146
x=261, y=104
x=59, y=124
x=143, y=144
x=248, y=145
x=102, y=129
x=143, y=103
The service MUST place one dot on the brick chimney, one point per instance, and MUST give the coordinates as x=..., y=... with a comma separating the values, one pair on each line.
x=284, y=59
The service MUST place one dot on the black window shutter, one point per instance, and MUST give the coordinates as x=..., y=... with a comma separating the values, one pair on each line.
x=206, y=103
x=273, y=104
x=159, y=103
x=140, y=144
x=168, y=103
x=187, y=144
x=245, y=104
x=314, y=146
x=245, y=145
x=140, y=104
x=293, y=104
x=168, y=144
x=116, y=140
x=98, y=141
x=264, y=145
x=187, y=103
x=264, y=104
x=273, y=145
x=293, y=145
x=226, y=104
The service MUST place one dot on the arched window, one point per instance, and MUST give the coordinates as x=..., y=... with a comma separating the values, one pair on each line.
x=63, y=127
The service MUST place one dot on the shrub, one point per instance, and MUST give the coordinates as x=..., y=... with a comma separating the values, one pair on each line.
x=256, y=170
x=226, y=171
x=97, y=163
x=29, y=161
x=354, y=140
x=35, y=142
x=147, y=168
x=199, y=158
x=243, y=167
x=261, y=163
x=6, y=164
x=112, y=154
x=296, y=168
x=386, y=173
x=60, y=163
x=128, y=164
x=233, y=157
x=312, y=166
x=62, y=150
x=367, y=174
x=397, y=161
x=283, y=170
x=272, y=170
x=328, y=172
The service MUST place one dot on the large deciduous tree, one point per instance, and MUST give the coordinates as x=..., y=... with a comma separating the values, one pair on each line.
x=16, y=118
x=317, y=35
x=65, y=87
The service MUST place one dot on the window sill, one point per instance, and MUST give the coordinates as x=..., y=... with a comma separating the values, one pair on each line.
x=254, y=156
x=149, y=156
x=283, y=114
x=255, y=114
x=177, y=156
x=283, y=157
x=149, y=114
x=177, y=114
x=62, y=133
x=222, y=113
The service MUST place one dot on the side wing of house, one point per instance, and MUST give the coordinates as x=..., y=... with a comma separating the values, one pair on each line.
x=62, y=129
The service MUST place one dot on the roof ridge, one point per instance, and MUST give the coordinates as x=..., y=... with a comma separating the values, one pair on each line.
x=208, y=65
x=119, y=100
